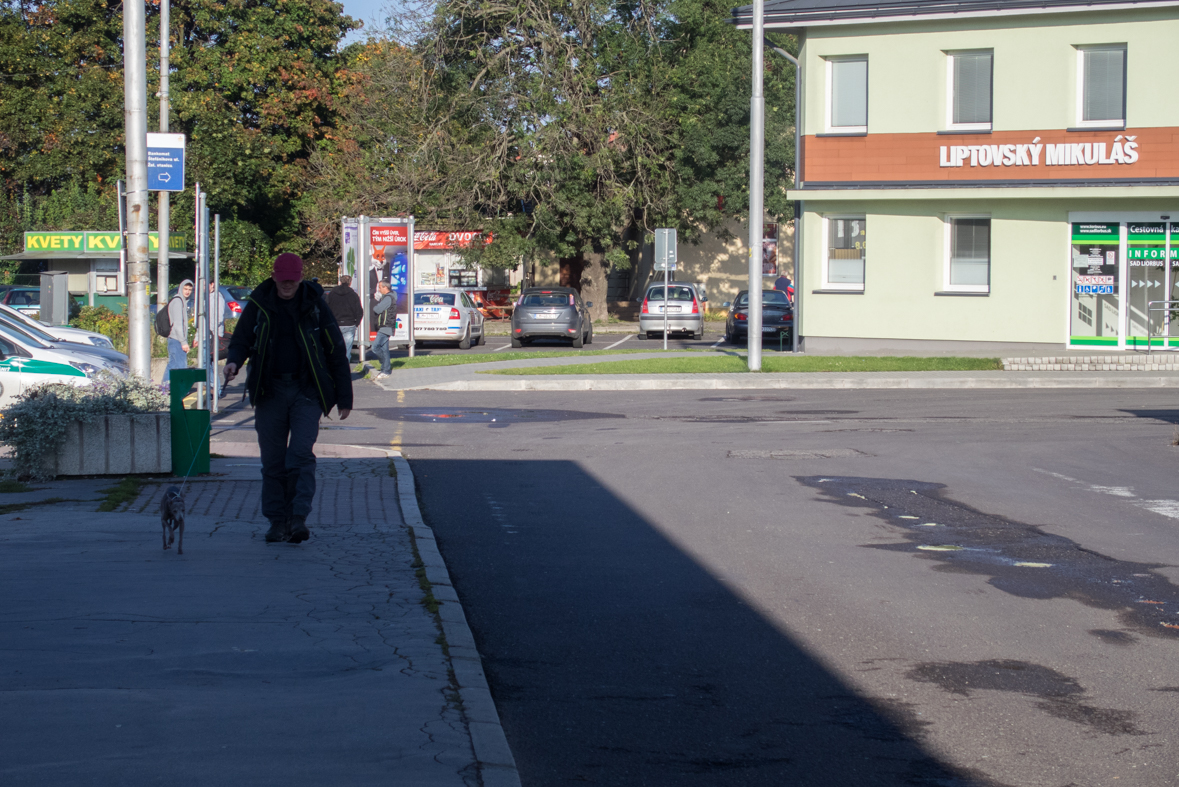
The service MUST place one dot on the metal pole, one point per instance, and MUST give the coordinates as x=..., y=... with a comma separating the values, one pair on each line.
x=798, y=208
x=757, y=133
x=362, y=272
x=666, y=281
x=165, y=208
x=135, y=125
x=1167, y=283
x=411, y=263
x=215, y=344
x=202, y=303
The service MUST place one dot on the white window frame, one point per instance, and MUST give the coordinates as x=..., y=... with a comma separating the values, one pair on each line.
x=850, y=130
x=1080, y=113
x=950, y=124
x=948, y=246
x=827, y=283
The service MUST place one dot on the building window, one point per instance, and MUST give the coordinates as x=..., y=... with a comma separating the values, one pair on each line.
x=847, y=102
x=461, y=277
x=1101, y=86
x=843, y=267
x=970, y=85
x=968, y=254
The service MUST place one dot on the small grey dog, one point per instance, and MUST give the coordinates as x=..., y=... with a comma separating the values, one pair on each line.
x=172, y=517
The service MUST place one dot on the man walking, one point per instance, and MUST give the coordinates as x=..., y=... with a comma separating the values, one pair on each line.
x=298, y=371
x=346, y=308
x=386, y=319
x=178, y=336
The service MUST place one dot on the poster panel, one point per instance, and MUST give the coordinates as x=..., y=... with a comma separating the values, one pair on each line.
x=389, y=252
x=769, y=250
x=350, y=252
x=1095, y=249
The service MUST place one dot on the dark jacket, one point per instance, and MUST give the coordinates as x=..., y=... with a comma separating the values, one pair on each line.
x=319, y=337
x=345, y=305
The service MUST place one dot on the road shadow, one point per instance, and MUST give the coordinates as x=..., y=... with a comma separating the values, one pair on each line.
x=1168, y=415
x=615, y=658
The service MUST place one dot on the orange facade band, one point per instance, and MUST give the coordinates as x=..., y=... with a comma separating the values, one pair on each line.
x=1134, y=154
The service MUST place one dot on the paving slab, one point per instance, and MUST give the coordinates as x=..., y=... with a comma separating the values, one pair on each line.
x=238, y=662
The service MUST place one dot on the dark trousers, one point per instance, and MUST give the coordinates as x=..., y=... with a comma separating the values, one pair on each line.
x=381, y=349
x=287, y=423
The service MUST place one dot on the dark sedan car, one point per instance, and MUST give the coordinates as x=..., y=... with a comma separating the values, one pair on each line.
x=551, y=312
x=777, y=316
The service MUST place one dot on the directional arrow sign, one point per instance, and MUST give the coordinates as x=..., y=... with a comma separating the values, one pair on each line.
x=165, y=162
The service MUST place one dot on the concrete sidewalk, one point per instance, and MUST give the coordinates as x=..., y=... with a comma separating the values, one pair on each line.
x=240, y=662
x=467, y=377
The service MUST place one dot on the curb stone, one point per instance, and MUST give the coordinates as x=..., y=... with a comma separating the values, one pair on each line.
x=497, y=766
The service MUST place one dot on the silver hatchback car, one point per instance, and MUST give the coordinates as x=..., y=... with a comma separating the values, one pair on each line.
x=552, y=312
x=685, y=310
x=447, y=315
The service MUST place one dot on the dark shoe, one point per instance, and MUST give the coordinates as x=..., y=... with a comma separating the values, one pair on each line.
x=279, y=531
x=299, y=531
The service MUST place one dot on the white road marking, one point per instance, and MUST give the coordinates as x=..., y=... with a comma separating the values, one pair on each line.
x=1167, y=508
x=506, y=346
x=718, y=342
x=620, y=341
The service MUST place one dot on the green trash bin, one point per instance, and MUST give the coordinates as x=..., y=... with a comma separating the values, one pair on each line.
x=190, y=428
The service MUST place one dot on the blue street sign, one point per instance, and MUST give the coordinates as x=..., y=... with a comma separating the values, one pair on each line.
x=165, y=162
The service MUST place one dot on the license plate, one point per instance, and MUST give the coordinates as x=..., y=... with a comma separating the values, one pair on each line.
x=670, y=310
x=546, y=315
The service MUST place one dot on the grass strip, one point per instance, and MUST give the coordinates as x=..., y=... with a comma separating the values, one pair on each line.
x=734, y=364
x=12, y=508
x=121, y=493
x=9, y=486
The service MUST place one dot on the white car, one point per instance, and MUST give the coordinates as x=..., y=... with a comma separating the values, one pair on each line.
x=23, y=366
x=447, y=315
x=62, y=333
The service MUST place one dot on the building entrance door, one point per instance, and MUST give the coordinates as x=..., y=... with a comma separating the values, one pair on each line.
x=1096, y=279
x=1146, y=246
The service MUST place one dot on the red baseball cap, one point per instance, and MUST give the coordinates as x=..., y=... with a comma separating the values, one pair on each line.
x=288, y=267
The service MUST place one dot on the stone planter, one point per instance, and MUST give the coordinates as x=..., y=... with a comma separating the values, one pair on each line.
x=115, y=445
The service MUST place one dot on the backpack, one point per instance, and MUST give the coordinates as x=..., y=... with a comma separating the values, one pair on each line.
x=164, y=320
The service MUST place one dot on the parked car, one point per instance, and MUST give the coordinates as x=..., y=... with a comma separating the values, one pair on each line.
x=685, y=310
x=551, y=312
x=447, y=315
x=777, y=316
x=24, y=365
x=28, y=300
x=235, y=300
x=61, y=332
x=33, y=336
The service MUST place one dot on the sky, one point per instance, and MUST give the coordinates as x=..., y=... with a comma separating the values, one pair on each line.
x=367, y=11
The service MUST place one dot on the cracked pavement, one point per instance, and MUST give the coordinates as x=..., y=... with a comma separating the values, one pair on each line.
x=236, y=662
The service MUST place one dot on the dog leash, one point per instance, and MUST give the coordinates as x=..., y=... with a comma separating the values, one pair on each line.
x=195, y=456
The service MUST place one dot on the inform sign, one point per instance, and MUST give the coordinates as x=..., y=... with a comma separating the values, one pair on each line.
x=165, y=162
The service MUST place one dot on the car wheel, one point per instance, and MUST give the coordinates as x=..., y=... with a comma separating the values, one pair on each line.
x=729, y=335
x=482, y=336
x=590, y=339
x=517, y=343
x=465, y=342
x=579, y=340
x=642, y=335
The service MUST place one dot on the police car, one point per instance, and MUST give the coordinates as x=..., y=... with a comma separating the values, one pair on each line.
x=24, y=364
x=447, y=315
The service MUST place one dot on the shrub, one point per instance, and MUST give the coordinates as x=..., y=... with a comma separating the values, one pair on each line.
x=102, y=320
x=33, y=426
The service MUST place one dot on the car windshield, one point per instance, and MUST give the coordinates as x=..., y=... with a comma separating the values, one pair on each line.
x=25, y=298
x=12, y=333
x=434, y=299
x=545, y=299
x=674, y=293
x=768, y=298
x=25, y=328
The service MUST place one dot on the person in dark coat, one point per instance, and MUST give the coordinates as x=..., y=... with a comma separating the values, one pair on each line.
x=346, y=308
x=298, y=371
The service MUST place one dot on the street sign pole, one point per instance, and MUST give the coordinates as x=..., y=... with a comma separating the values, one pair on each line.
x=135, y=130
x=666, y=256
x=165, y=209
x=757, y=135
x=215, y=344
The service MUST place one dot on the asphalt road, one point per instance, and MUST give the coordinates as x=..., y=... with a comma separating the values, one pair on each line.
x=602, y=341
x=811, y=588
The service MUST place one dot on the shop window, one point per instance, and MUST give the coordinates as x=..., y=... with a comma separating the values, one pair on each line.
x=463, y=278
x=1101, y=86
x=847, y=100
x=968, y=254
x=970, y=86
x=846, y=251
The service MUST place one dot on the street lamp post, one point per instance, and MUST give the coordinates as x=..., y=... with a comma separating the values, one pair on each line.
x=757, y=134
x=135, y=125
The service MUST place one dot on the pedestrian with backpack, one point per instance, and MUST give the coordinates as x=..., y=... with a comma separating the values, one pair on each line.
x=172, y=323
x=298, y=372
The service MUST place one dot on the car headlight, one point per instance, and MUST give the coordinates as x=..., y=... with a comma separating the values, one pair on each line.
x=101, y=341
x=87, y=369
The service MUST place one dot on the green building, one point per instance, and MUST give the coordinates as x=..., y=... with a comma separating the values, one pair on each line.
x=1015, y=164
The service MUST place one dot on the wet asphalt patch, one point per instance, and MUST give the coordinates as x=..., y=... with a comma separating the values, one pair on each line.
x=1018, y=558
x=1057, y=694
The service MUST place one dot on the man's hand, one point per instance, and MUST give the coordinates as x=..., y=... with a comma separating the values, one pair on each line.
x=230, y=372
x=344, y=414
x=184, y=347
